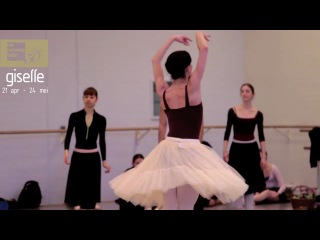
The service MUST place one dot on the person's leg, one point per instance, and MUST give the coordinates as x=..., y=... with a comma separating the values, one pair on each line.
x=273, y=196
x=248, y=201
x=238, y=204
x=214, y=201
x=258, y=197
x=87, y=201
x=283, y=198
x=187, y=197
x=87, y=204
x=201, y=203
x=170, y=200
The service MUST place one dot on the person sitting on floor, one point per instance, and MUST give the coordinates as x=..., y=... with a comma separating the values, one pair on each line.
x=275, y=191
x=124, y=205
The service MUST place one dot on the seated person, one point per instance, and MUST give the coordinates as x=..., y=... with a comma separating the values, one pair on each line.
x=124, y=205
x=275, y=191
x=202, y=202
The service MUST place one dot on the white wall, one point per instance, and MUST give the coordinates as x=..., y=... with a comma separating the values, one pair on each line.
x=118, y=64
x=283, y=66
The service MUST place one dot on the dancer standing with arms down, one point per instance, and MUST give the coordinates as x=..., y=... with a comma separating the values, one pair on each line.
x=83, y=189
x=180, y=167
x=244, y=153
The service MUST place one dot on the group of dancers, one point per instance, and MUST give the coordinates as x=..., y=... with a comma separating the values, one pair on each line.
x=179, y=168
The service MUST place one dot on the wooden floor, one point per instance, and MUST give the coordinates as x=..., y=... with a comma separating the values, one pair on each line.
x=114, y=206
x=80, y=221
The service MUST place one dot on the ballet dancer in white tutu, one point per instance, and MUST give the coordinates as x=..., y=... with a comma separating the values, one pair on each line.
x=180, y=167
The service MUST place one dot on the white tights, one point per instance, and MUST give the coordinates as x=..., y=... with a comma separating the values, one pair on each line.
x=245, y=202
x=180, y=198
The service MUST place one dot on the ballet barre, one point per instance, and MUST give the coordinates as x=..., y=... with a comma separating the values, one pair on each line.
x=303, y=128
x=64, y=130
x=139, y=134
x=306, y=130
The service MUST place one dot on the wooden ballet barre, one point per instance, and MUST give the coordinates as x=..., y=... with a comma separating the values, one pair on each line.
x=64, y=130
x=131, y=129
x=108, y=130
x=305, y=130
x=32, y=131
x=142, y=129
x=271, y=126
x=215, y=126
x=289, y=126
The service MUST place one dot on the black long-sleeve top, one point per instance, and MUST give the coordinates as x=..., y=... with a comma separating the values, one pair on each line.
x=243, y=128
x=314, y=135
x=86, y=137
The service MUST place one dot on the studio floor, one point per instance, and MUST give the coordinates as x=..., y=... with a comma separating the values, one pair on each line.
x=114, y=206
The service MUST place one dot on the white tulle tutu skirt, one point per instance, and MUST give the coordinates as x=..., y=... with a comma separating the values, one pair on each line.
x=176, y=162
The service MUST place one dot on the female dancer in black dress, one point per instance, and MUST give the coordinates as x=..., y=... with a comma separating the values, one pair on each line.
x=244, y=153
x=83, y=190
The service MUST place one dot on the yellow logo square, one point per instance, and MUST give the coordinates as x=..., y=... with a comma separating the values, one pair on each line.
x=23, y=53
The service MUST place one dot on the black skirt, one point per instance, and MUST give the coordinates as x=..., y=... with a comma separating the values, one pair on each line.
x=245, y=158
x=84, y=180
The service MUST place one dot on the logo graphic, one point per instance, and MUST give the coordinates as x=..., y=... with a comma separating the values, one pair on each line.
x=23, y=53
